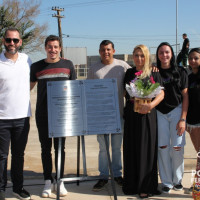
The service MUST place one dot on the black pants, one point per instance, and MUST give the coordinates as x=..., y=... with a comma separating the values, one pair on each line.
x=182, y=57
x=14, y=131
x=46, y=145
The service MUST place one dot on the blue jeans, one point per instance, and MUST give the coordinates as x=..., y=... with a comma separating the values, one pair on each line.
x=14, y=131
x=116, y=143
x=170, y=160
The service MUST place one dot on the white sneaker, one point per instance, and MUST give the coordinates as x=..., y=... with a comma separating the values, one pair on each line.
x=63, y=191
x=48, y=188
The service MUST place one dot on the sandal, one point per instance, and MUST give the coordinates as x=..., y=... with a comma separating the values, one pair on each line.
x=143, y=195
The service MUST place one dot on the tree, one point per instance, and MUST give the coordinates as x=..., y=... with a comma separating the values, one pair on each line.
x=21, y=14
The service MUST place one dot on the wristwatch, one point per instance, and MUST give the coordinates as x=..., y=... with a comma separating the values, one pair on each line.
x=183, y=120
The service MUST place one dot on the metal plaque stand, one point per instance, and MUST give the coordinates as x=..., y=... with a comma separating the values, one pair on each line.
x=85, y=177
x=110, y=166
x=78, y=157
x=74, y=108
x=58, y=168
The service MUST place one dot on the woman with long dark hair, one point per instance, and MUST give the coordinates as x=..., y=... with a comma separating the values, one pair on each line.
x=171, y=115
x=193, y=119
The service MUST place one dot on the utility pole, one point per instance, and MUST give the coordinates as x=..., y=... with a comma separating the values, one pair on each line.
x=59, y=26
x=176, y=28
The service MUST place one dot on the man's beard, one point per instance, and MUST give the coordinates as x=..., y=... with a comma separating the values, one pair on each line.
x=13, y=51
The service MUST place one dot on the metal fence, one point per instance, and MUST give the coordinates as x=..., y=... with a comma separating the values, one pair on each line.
x=81, y=71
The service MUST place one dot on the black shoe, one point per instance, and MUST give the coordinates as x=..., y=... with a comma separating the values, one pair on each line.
x=22, y=194
x=100, y=184
x=166, y=190
x=119, y=180
x=2, y=195
x=178, y=187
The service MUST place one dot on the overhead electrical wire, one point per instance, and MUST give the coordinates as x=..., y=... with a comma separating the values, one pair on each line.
x=94, y=37
x=92, y=3
x=84, y=4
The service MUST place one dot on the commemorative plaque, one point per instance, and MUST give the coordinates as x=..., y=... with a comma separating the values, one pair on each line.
x=83, y=107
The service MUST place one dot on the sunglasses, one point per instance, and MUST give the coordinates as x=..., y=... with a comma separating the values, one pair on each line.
x=15, y=40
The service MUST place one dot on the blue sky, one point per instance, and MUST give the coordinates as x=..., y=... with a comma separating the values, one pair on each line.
x=126, y=22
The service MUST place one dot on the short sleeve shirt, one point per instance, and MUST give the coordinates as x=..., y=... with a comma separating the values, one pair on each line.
x=173, y=90
x=116, y=70
x=15, y=87
x=42, y=72
x=193, y=114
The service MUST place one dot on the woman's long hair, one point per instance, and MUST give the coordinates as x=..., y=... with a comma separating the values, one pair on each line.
x=173, y=66
x=147, y=65
x=197, y=50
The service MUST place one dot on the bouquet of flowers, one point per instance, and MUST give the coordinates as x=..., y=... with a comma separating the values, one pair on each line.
x=143, y=88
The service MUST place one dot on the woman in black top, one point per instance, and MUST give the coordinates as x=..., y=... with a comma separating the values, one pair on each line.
x=193, y=118
x=171, y=114
x=140, y=134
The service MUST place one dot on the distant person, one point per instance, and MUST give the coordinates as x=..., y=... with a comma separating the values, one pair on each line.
x=193, y=115
x=109, y=67
x=51, y=68
x=140, y=133
x=14, y=111
x=171, y=116
x=183, y=55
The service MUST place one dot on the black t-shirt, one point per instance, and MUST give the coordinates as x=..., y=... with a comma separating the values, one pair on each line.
x=42, y=72
x=193, y=115
x=130, y=75
x=173, y=89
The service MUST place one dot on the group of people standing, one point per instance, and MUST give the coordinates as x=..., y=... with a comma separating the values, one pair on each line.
x=155, y=133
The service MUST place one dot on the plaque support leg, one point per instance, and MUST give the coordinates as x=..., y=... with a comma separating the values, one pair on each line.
x=84, y=155
x=58, y=168
x=110, y=166
x=78, y=159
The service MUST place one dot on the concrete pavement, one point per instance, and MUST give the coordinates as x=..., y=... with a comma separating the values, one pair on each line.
x=84, y=191
x=34, y=179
